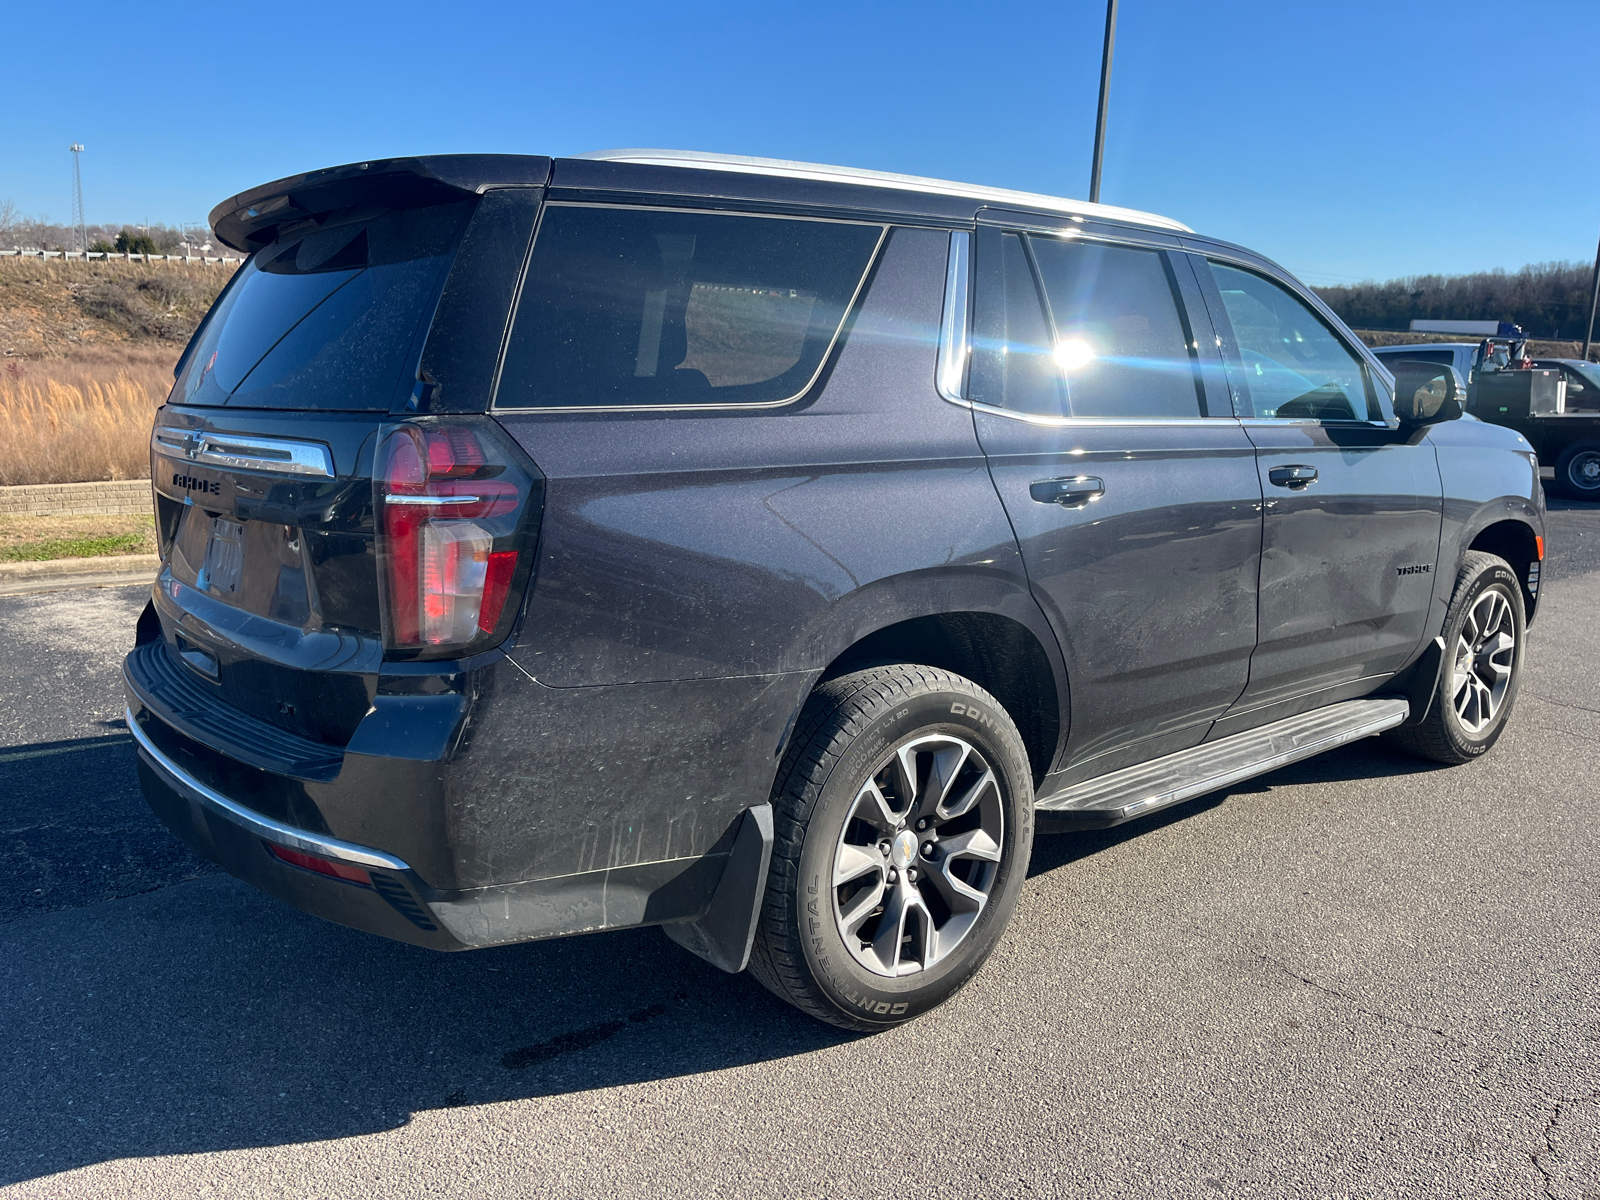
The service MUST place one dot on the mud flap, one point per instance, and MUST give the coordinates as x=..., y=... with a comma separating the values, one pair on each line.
x=724, y=934
x=1421, y=683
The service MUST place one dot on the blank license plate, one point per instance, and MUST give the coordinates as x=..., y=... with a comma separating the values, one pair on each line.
x=224, y=557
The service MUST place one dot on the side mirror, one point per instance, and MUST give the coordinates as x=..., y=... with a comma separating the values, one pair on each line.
x=1426, y=393
x=1574, y=389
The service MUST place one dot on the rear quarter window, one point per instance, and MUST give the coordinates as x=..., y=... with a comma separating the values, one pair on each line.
x=628, y=307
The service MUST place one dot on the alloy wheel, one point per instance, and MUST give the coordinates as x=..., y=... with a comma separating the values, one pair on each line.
x=918, y=855
x=1485, y=656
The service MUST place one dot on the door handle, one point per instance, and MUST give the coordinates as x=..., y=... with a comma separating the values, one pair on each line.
x=1073, y=492
x=1295, y=476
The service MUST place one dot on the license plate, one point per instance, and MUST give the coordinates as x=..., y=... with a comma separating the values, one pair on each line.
x=224, y=557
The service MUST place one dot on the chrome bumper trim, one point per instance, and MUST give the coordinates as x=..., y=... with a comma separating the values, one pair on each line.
x=262, y=826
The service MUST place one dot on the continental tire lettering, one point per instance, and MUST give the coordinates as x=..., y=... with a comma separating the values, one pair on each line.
x=973, y=711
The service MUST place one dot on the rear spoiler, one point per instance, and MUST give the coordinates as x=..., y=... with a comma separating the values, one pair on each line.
x=251, y=219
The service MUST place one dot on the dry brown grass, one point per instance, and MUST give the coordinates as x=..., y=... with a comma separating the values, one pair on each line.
x=74, y=421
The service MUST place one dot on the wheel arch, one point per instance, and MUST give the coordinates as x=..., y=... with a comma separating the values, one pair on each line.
x=999, y=653
x=1517, y=542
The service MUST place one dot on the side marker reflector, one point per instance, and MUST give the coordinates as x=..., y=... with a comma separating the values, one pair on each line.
x=322, y=866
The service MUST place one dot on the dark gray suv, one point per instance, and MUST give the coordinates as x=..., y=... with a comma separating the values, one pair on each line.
x=764, y=551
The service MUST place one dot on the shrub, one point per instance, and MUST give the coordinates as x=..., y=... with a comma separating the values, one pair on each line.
x=136, y=243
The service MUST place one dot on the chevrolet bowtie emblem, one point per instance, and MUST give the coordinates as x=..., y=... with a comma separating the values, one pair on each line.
x=192, y=445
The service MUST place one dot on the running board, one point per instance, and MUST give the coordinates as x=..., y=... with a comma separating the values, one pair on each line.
x=1138, y=790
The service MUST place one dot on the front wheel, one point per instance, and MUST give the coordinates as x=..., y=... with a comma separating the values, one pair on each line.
x=1484, y=632
x=1578, y=472
x=904, y=820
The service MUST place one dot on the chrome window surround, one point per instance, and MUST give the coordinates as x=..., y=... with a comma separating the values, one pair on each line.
x=237, y=452
x=822, y=363
x=256, y=823
x=955, y=352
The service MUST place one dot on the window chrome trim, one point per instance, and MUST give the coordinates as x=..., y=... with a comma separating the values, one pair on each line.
x=497, y=408
x=1102, y=422
x=252, y=821
x=955, y=346
x=237, y=452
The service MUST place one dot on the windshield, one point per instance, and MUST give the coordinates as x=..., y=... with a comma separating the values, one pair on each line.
x=327, y=316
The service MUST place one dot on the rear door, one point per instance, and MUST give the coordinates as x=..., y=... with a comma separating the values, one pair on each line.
x=1138, y=514
x=1352, y=507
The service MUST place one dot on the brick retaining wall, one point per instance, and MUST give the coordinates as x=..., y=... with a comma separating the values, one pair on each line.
x=122, y=497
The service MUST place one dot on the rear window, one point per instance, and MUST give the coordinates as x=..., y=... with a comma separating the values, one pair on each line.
x=627, y=306
x=327, y=316
x=1446, y=357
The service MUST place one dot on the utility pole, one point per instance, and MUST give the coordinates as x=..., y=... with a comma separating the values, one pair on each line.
x=1105, y=98
x=1594, y=299
x=80, y=231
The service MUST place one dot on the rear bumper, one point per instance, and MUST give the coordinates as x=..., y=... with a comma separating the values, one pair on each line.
x=240, y=840
x=396, y=901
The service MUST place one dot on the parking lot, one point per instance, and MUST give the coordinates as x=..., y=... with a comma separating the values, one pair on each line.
x=1360, y=976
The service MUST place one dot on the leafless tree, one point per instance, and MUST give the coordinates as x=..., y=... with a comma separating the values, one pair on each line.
x=9, y=219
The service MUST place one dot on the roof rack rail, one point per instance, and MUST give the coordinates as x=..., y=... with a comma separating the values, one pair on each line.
x=911, y=183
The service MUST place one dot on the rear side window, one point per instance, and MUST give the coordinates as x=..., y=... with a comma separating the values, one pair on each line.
x=1013, y=365
x=1120, y=337
x=327, y=316
x=626, y=307
x=1294, y=366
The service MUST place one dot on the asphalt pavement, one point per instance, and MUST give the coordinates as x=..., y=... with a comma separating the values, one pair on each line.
x=1363, y=975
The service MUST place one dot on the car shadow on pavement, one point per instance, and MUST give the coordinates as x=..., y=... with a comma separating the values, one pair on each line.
x=204, y=1016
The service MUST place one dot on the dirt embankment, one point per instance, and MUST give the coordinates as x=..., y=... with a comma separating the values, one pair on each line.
x=99, y=309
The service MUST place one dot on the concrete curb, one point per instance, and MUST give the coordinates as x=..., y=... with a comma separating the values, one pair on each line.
x=20, y=578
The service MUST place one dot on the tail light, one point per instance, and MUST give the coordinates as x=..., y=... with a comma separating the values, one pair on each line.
x=457, y=505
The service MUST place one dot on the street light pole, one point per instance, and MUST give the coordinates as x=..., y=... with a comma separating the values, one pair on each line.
x=1105, y=98
x=1594, y=299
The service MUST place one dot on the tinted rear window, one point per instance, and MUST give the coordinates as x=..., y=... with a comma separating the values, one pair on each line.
x=326, y=317
x=630, y=306
x=1431, y=356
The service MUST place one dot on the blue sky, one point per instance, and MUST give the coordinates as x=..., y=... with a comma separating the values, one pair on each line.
x=1346, y=139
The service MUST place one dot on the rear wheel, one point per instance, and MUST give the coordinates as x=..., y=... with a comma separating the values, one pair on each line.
x=904, y=821
x=1483, y=639
x=1578, y=471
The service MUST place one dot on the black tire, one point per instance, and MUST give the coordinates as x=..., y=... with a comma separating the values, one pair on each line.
x=1578, y=472
x=851, y=731
x=1448, y=734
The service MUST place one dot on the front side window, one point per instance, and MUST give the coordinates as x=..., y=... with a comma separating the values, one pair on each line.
x=629, y=307
x=1119, y=336
x=1294, y=366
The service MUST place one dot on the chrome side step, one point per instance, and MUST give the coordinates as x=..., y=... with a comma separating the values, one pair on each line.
x=1138, y=790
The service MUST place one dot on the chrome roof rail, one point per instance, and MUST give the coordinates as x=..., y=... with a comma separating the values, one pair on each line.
x=884, y=179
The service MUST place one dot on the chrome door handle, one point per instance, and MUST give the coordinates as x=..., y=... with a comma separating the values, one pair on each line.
x=1073, y=492
x=1295, y=476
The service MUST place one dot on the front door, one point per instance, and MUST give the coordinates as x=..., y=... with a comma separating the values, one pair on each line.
x=1352, y=507
x=1138, y=516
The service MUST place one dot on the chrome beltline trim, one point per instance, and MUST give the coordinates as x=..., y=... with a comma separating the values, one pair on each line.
x=262, y=826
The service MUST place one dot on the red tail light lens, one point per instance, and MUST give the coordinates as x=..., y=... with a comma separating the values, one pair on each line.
x=456, y=505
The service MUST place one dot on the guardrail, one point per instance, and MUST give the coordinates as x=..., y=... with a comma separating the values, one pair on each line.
x=114, y=256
